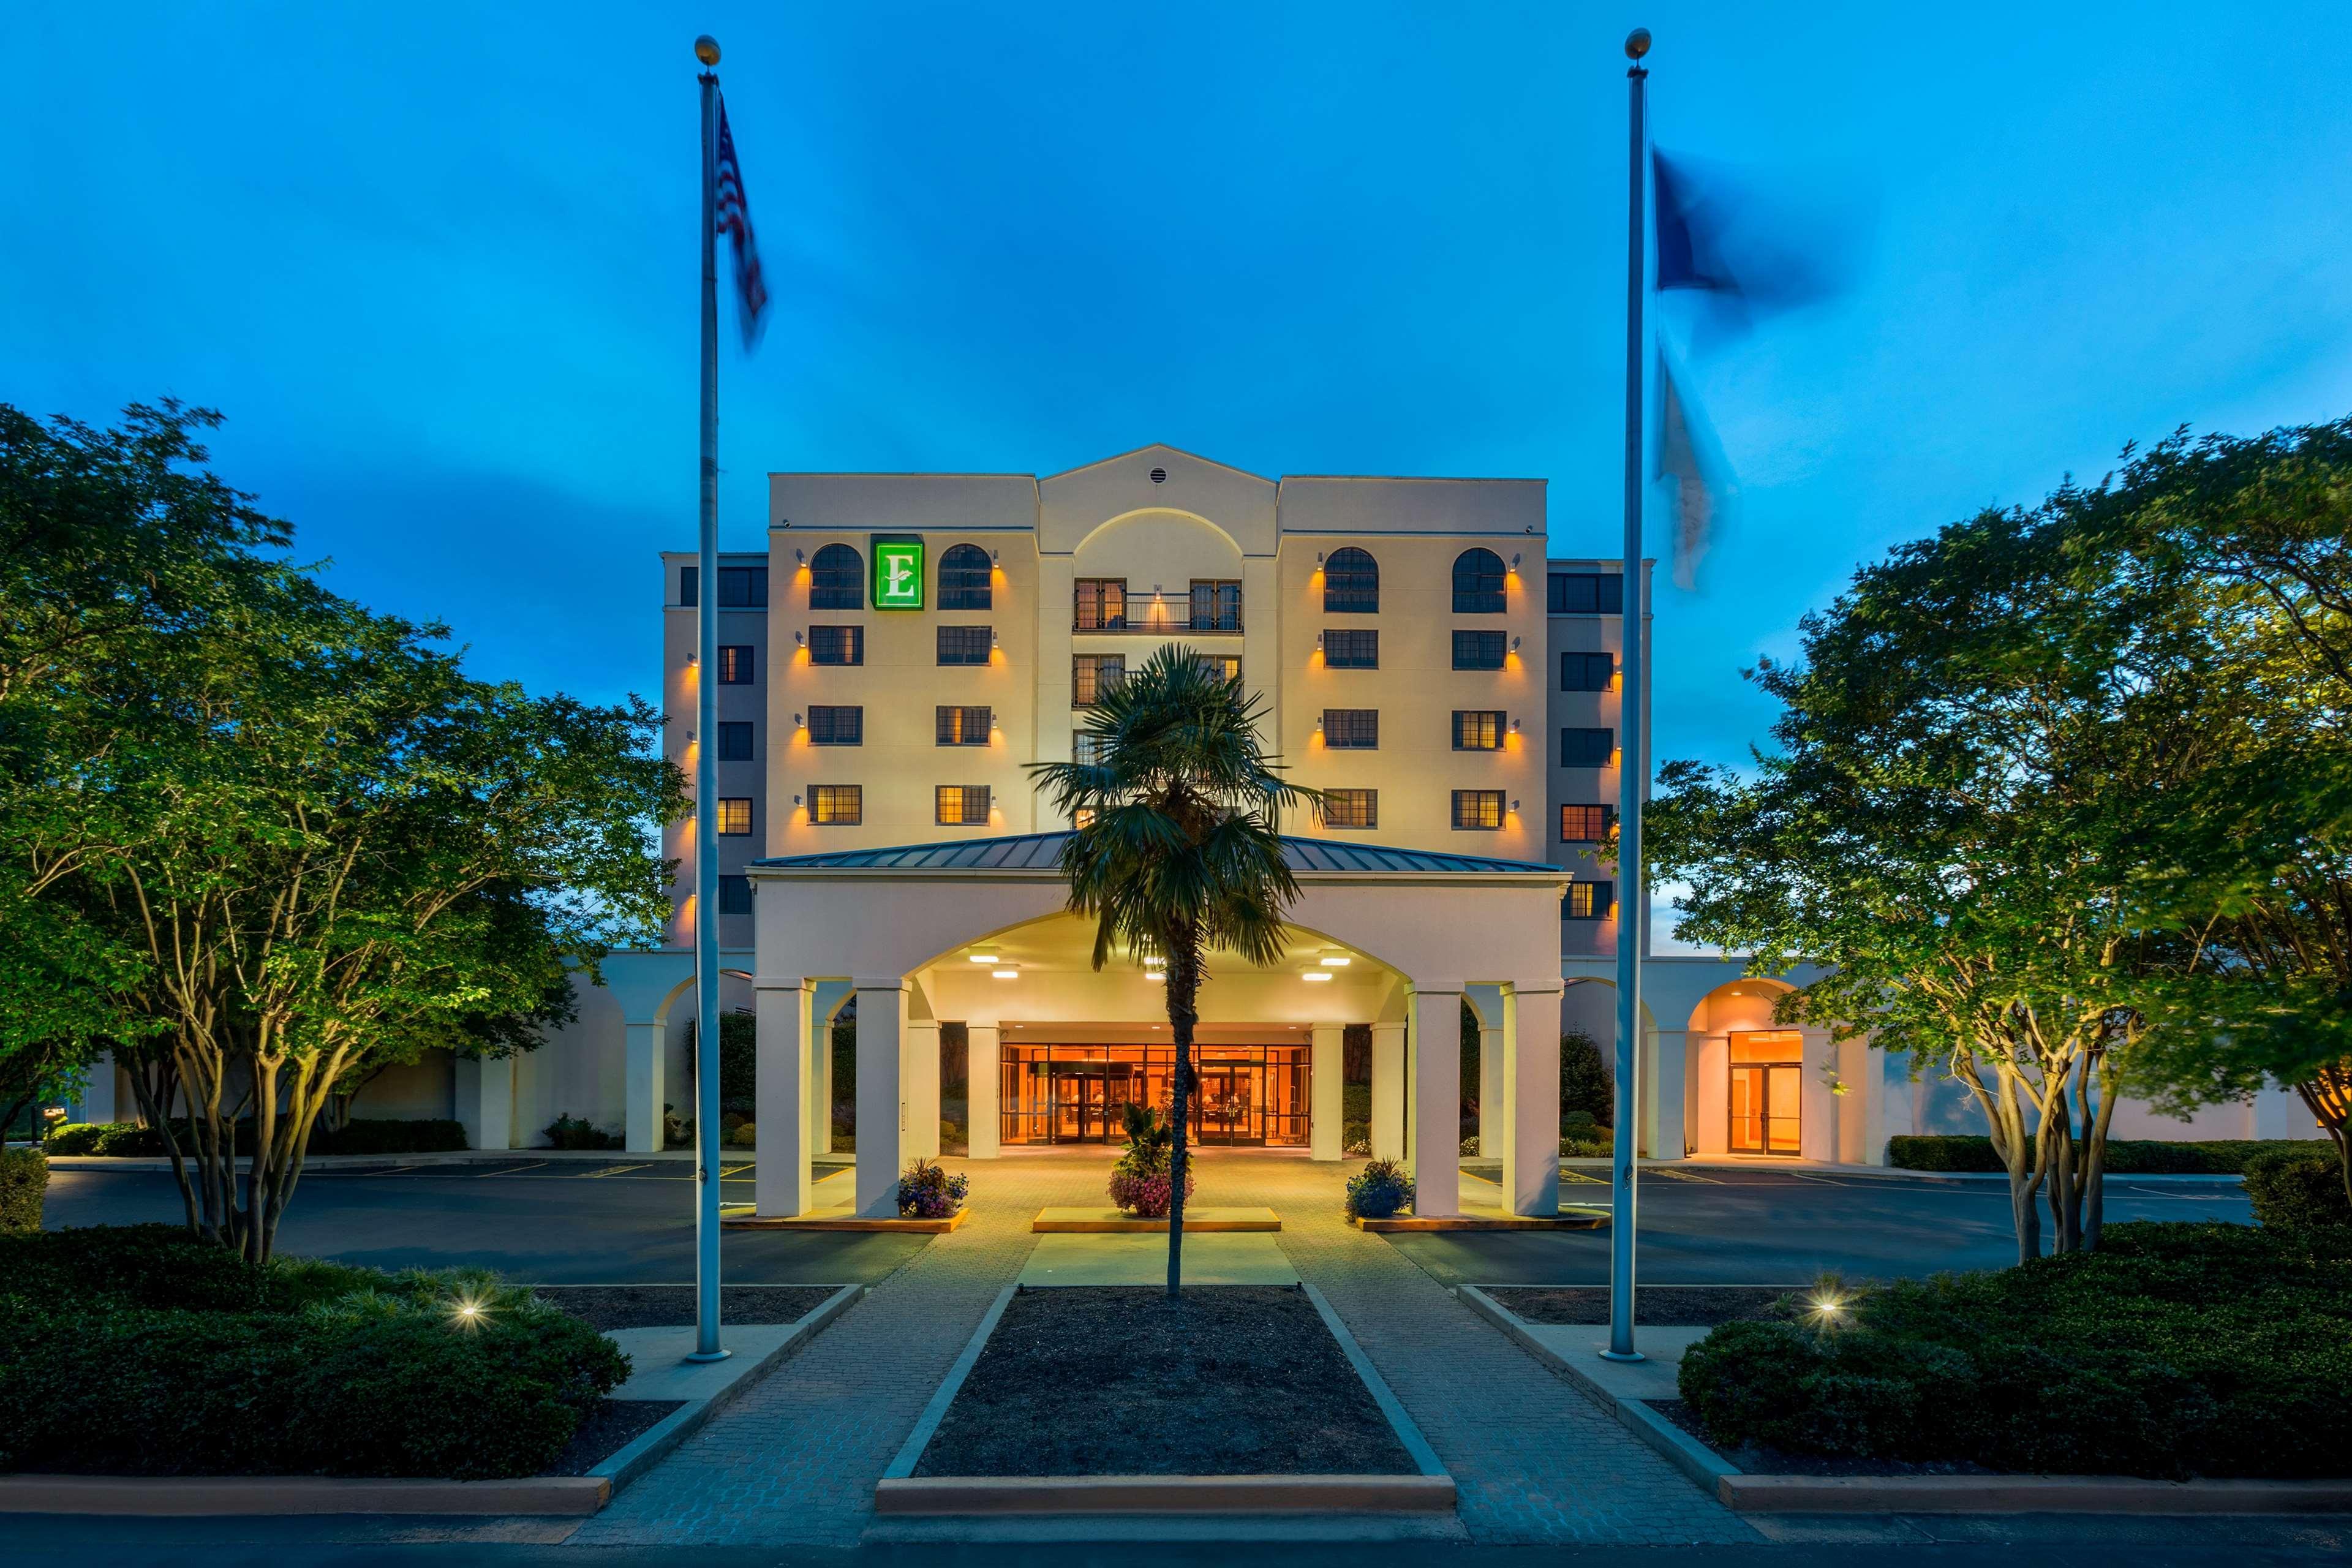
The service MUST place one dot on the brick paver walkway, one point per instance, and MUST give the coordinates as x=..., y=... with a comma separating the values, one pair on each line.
x=796, y=1459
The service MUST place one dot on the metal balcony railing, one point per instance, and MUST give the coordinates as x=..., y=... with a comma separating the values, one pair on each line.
x=1159, y=616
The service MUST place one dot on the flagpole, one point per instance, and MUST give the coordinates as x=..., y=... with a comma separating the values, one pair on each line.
x=706, y=757
x=1633, y=899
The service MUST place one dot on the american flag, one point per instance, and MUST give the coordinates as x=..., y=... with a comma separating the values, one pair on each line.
x=734, y=219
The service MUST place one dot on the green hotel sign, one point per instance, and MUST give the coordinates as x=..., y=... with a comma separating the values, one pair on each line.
x=897, y=573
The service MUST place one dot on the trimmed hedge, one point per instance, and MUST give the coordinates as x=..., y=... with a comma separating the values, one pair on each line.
x=2293, y=1191
x=137, y=1349
x=2176, y=1349
x=363, y=1135
x=24, y=1180
x=2124, y=1157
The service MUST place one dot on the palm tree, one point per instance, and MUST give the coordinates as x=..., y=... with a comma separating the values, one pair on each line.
x=1177, y=852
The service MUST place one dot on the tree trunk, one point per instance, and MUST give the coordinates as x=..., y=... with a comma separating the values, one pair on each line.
x=2095, y=1121
x=1183, y=995
x=2019, y=1152
x=2328, y=1094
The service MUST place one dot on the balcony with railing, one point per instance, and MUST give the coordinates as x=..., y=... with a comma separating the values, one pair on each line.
x=1102, y=608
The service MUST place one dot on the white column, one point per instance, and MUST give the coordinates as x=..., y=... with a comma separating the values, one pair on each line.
x=1530, y=1054
x=826, y=997
x=485, y=1095
x=1489, y=1003
x=1326, y=1079
x=641, y=1089
x=985, y=1081
x=781, y=1183
x=918, y=1088
x=97, y=1102
x=881, y=1024
x=1388, y=1091
x=1436, y=1089
x=1665, y=1055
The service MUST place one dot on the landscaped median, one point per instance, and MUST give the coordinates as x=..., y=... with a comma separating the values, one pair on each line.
x=2179, y=1368
x=1095, y=1400
x=145, y=1372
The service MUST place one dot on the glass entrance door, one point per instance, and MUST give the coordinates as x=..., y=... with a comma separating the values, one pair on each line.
x=1226, y=1111
x=1764, y=1119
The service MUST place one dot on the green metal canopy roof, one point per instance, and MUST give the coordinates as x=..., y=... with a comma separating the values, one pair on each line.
x=1042, y=852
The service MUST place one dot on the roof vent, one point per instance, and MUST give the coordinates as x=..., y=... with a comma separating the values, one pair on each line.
x=1159, y=476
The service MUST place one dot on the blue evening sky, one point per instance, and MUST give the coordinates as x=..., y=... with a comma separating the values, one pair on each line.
x=437, y=263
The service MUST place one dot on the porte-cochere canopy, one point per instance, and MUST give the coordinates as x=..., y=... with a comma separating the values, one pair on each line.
x=978, y=932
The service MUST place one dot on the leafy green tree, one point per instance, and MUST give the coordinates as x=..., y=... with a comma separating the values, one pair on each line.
x=293, y=840
x=1585, y=1083
x=1178, y=853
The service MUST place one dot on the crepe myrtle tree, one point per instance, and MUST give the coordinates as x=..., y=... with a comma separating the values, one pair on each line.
x=1178, y=853
x=282, y=840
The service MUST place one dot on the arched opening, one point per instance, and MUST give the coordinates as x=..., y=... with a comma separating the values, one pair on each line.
x=837, y=579
x=1351, y=583
x=1478, y=584
x=964, y=579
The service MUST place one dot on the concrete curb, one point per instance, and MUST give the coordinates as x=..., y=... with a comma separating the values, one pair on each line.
x=983, y=1495
x=652, y=1446
x=848, y=1222
x=910, y=1452
x=2027, y=1494
x=1209, y=1220
x=168, y=1496
x=1401, y=1421
x=1591, y=1219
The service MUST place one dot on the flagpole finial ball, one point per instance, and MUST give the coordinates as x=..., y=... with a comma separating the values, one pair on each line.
x=706, y=49
x=1637, y=42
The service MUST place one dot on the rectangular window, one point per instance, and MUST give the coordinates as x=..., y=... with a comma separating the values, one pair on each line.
x=1586, y=748
x=1477, y=729
x=1586, y=594
x=1351, y=650
x=1478, y=650
x=961, y=726
x=961, y=805
x=1093, y=674
x=1086, y=747
x=1478, y=808
x=734, y=666
x=836, y=726
x=734, y=816
x=1351, y=729
x=689, y=582
x=836, y=806
x=1084, y=817
x=1099, y=604
x=1588, y=671
x=1589, y=902
x=836, y=644
x=1352, y=808
x=742, y=587
x=1225, y=667
x=966, y=644
x=734, y=895
x=734, y=743
x=1584, y=824
x=1216, y=606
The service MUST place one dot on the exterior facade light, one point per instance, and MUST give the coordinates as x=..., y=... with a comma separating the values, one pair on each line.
x=1515, y=726
x=800, y=639
x=799, y=723
x=1515, y=645
x=800, y=557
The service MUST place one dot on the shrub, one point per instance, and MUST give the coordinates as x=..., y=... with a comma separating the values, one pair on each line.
x=1356, y=1103
x=1581, y=1124
x=1379, y=1190
x=926, y=1192
x=2293, y=1191
x=2125, y=1156
x=1598, y=1148
x=1470, y=1145
x=138, y=1349
x=2190, y=1349
x=24, y=1181
x=569, y=1132
x=80, y=1137
x=1585, y=1084
x=742, y=1135
x=1356, y=1138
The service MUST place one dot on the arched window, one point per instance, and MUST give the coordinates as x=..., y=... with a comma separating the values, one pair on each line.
x=1351, y=583
x=1478, y=584
x=837, y=579
x=963, y=579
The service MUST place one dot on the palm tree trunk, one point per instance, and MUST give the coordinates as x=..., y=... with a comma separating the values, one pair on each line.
x=1184, y=994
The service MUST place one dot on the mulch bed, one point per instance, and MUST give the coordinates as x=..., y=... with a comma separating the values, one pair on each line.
x=610, y=1427
x=604, y=1307
x=1756, y=1460
x=1670, y=1306
x=1120, y=1381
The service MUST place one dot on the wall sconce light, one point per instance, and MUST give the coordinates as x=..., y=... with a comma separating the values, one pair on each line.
x=689, y=737
x=693, y=662
x=1319, y=726
x=796, y=800
x=992, y=643
x=1318, y=642
x=800, y=557
x=1514, y=806
x=996, y=558
x=1319, y=558
x=1515, y=726
x=799, y=723
x=800, y=639
x=1515, y=561
x=1515, y=645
